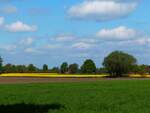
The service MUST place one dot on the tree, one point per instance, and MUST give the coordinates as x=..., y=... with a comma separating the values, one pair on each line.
x=119, y=63
x=88, y=67
x=143, y=69
x=148, y=69
x=101, y=71
x=20, y=68
x=55, y=70
x=73, y=68
x=136, y=69
x=45, y=68
x=1, y=65
x=32, y=68
x=64, y=67
x=8, y=68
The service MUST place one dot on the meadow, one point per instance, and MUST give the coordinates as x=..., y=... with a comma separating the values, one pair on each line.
x=104, y=96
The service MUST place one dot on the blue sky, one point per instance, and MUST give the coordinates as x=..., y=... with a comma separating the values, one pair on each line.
x=53, y=31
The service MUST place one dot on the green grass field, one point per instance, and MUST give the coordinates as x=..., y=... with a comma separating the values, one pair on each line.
x=105, y=96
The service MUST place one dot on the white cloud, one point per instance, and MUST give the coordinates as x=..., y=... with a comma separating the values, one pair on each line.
x=8, y=9
x=30, y=50
x=119, y=33
x=8, y=47
x=89, y=40
x=27, y=41
x=65, y=38
x=102, y=10
x=143, y=41
x=52, y=46
x=1, y=21
x=82, y=45
x=20, y=27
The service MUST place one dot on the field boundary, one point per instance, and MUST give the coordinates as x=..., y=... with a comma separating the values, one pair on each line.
x=26, y=80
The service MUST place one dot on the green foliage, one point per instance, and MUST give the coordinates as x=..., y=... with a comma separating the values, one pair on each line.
x=88, y=67
x=135, y=69
x=73, y=68
x=45, y=68
x=1, y=65
x=32, y=68
x=148, y=69
x=55, y=70
x=141, y=69
x=64, y=67
x=116, y=64
x=119, y=63
x=101, y=71
x=9, y=68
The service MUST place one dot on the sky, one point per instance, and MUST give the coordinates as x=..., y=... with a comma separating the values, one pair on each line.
x=53, y=31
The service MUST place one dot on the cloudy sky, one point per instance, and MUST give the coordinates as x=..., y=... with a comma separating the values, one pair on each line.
x=53, y=31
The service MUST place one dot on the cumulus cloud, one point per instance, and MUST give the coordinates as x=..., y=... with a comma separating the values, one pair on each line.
x=65, y=37
x=82, y=45
x=102, y=10
x=20, y=27
x=119, y=33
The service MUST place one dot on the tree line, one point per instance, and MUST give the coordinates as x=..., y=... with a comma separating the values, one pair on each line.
x=116, y=64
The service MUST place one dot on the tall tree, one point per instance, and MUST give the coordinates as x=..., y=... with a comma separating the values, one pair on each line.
x=119, y=63
x=32, y=68
x=45, y=68
x=1, y=65
x=73, y=68
x=88, y=67
x=64, y=67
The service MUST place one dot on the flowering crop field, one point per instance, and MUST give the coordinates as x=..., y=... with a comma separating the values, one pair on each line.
x=47, y=75
x=60, y=75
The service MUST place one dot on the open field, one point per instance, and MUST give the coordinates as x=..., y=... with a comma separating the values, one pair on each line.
x=60, y=75
x=48, y=75
x=114, y=96
x=23, y=80
x=14, y=78
x=27, y=80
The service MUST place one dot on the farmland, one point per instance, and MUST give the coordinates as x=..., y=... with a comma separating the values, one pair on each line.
x=49, y=75
x=103, y=96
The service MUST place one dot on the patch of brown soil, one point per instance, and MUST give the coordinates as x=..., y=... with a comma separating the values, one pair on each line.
x=20, y=80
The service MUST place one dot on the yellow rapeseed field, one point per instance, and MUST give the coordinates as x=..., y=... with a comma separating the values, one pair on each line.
x=47, y=75
x=59, y=75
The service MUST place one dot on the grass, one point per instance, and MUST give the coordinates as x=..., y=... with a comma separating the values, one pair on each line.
x=112, y=96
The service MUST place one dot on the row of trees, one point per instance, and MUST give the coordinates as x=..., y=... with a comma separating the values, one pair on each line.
x=9, y=68
x=88, y=67
x=116, y=64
